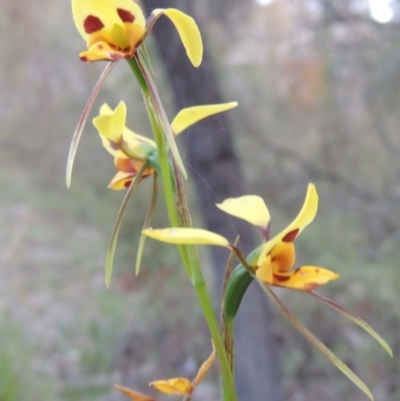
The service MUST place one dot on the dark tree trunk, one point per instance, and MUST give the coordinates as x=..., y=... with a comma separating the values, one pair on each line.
x=217, y=176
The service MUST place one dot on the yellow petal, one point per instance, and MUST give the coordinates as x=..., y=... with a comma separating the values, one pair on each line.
x=132, y=394
x=130, y=135
x=254, y=256
x=93, y=15
x=112, y=149
x=111, y=125
x=191, y=115
x=131, y=166
x=204, y=368
x=187, y=30
x=264, y=272
x=128, y=170
x=121, y=181
x=175, y=235
x=127, y=165
x=101, y=51
x=128, y=145
x=136, y=146
x=105, y=109
x=249, y=207
x=305, y=278
x=283, y=257
x=302, y=220
x=176, y=386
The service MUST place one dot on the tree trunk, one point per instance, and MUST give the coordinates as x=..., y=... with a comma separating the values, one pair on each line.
x=217, y=176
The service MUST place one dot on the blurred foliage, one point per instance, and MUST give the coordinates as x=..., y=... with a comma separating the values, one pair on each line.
x=318, y=91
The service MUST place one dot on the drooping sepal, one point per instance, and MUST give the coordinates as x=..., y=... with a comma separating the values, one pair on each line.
x=187, y=30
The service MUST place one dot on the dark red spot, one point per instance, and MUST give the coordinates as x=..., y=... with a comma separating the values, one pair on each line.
x=127, y=184
x=291, y=236
x=92, y=24
x=84, y=58
x=125, y=15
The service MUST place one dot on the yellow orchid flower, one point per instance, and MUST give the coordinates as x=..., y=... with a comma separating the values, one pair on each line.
x=114, y=29
x=131, y=150
x=118, y=140
x=277, y=256
x=272, y=261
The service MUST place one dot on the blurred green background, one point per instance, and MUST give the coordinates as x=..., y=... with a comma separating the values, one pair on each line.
x=317, y=84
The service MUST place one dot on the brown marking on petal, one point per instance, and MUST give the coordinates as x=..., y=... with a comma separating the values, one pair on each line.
x=281, y=279
x=127, y=184
x=125, y=15
x=100, y=47
x=113, y=145
x=266, y=232
x=84, y=58
x=291, y=236
x=92, y=24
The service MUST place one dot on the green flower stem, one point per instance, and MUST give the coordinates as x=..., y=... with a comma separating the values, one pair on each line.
x=179, y=214
x=162, y=150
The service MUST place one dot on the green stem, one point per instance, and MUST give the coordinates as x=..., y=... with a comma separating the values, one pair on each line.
x=179, y=214
x=161, y=147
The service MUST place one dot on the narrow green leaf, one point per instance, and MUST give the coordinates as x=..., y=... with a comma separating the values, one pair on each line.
x=358, y=321
x=321, y=347
x=114, y=237
x=82, y=120
x=147, y=223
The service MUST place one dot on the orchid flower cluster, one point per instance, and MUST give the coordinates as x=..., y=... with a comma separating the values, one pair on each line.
x=116, y=30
